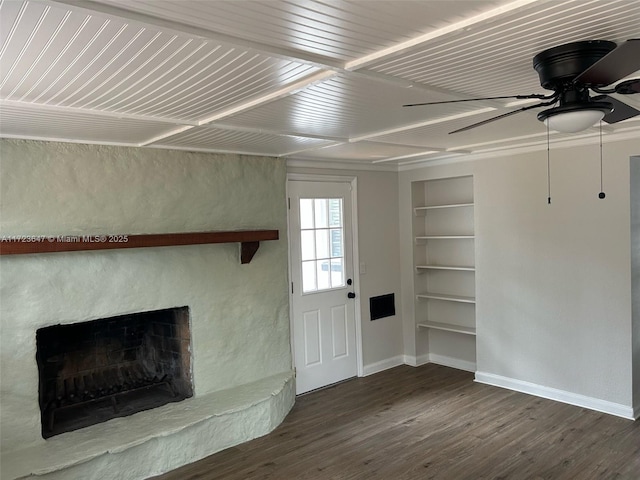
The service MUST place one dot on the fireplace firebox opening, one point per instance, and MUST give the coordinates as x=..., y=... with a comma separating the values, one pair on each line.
x=94, y=371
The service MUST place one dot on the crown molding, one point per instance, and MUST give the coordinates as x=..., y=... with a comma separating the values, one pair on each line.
x=592, y=139
x=339, y=165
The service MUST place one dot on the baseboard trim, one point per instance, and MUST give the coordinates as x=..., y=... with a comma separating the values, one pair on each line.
x=452, y=362
x=563, y=396
x=414, y=361
x=439, y=360
x=636, y=412
x=410, y=360
x=382, y=365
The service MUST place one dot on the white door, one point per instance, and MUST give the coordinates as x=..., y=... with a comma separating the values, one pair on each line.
x=322, y=298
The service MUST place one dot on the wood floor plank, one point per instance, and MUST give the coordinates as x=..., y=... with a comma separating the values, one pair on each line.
x=430, y=422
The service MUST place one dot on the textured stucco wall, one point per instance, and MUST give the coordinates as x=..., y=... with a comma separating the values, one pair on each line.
x=239, y=313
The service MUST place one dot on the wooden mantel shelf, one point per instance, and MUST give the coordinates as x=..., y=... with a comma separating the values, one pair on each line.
x=249, y=242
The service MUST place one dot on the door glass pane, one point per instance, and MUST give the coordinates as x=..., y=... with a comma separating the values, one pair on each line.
x=307, y=247
x=306, y=213
x=336, y=242
x=335, y=212
x=309, y=276
x=337, y=273
x=322, y=248
x=324, y=279
x=321, y=213
x=322, y=243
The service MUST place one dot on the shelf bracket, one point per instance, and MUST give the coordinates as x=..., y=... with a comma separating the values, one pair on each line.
x=248, y=250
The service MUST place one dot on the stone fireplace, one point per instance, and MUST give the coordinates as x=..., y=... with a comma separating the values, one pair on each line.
x=238, y=313
x=91, y=372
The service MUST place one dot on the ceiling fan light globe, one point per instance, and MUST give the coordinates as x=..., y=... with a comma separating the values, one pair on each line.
x=575, y=117
x=576, y=121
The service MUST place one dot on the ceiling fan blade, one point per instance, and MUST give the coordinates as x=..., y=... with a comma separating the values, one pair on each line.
x=621, y=111
x=628, y=87
x=617, y=64
x=512, y=112
x=519, y=97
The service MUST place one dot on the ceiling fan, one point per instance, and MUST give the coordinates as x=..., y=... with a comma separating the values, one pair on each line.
x=571, y=71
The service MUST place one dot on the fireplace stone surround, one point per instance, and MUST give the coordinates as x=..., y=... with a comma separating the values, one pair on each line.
x=242, y=378
x=235, y=343
x=155, y=441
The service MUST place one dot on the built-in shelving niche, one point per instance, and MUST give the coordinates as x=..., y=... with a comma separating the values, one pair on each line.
x=444, y=263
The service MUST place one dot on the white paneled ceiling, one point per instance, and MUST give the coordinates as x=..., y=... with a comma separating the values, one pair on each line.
x=335, y=30
x=498, y=56
x=347, y=105
x=75, y=125
x=322, y=80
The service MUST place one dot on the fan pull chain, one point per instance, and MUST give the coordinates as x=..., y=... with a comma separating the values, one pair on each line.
x=601, y=194
x=548, y=169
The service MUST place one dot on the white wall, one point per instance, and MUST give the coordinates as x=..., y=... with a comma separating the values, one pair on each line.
x=635, y=277
x=239, y=313
x=379, y=250
x=553, y=282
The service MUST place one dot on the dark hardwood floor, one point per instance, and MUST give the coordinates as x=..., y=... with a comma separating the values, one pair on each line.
x=430, y=422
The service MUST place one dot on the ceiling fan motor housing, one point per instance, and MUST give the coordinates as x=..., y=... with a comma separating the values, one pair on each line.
x=559, y=65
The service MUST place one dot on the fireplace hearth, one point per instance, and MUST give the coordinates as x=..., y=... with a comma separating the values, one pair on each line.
x=94, y=371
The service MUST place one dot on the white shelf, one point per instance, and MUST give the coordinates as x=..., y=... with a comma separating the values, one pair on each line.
x=419, y=210
x=448, y=327
x=445, y=267
x=447, y=298
x=442, y=237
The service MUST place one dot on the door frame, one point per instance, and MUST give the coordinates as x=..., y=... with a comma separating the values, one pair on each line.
x=352, y=180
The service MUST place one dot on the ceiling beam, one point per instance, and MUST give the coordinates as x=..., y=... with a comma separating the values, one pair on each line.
x=167, y=134
x=97, y=113
x=411, y=155
x=281, y=133
x=213, y=150
x=413, y=126
x=310, y=149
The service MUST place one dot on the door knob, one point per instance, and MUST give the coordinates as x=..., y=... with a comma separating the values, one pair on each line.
x=351, y=295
